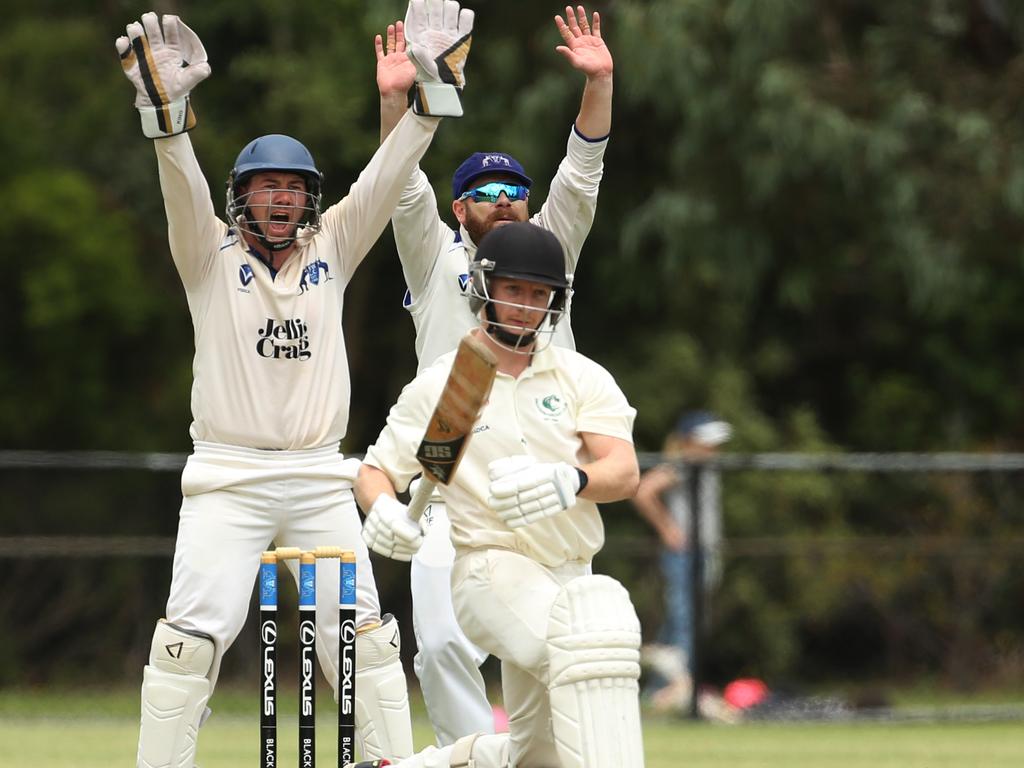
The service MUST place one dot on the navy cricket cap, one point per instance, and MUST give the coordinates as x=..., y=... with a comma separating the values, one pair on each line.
x=704, y=427
x=482, y=164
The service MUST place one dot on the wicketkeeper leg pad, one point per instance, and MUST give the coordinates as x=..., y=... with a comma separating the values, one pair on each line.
x=383, y=723
x=594, y=657
x=175, y=689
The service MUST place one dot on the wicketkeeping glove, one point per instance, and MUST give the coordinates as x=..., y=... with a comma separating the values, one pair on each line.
x=438, y=34
x=524, y=490
x=164, y=64
x=388, y=530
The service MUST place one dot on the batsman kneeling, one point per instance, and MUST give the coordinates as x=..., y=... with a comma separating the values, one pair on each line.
x=553, y=440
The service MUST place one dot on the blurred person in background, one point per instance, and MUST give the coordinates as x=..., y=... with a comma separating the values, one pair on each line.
x=663, y=500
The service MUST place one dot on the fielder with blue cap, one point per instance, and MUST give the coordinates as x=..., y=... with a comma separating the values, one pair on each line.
x=490, y=189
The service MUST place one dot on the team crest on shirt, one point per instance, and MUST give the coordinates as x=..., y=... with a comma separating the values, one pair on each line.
x=550, y=407
x=311, y=275
x=245, y=275
x=463, y=282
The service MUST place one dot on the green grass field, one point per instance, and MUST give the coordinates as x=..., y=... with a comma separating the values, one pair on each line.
x=89, y=729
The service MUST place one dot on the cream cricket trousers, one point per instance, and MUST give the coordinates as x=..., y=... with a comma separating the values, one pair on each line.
x=236, y=501
x=502, y=600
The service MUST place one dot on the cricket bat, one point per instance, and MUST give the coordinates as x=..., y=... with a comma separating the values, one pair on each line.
x=451, y=425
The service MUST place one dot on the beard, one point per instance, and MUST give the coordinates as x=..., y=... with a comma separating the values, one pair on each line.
x=479, y=226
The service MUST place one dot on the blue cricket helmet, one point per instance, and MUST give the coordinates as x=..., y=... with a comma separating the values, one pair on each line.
x=274, y=152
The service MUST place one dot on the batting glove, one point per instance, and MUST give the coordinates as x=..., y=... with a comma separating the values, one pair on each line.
x=524, y=490
x=164, y=64
x=438, y=35
x=388, y=530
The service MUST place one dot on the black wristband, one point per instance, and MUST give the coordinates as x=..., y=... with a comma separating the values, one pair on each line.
x=583, y=480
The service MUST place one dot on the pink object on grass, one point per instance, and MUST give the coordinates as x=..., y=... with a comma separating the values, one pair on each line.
x=745, y=692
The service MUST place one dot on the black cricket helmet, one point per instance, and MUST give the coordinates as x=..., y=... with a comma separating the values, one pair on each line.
x=521, y=251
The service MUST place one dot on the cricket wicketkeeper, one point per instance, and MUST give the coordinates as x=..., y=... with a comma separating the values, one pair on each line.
x=270, y=396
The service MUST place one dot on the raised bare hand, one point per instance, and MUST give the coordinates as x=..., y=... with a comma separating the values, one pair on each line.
x=584, y=47
x=395, y=71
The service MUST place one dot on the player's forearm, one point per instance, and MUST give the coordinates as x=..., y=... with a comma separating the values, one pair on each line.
x=192, y=222
x=612, y=478
x=594, y=120
x=392, y=107
x=569, y=208
x=421, y=236
x=364, y=213
x=370, y=484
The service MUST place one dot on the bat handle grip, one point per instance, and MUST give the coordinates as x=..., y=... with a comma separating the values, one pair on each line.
x=421, y=498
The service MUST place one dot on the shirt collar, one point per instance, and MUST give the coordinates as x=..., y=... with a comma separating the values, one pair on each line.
x=467, y=242
x=542, y=361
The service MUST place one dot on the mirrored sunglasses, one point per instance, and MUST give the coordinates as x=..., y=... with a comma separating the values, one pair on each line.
x=488, y=193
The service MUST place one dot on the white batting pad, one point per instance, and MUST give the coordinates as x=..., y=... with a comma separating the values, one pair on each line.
x=174, y=694
x=594, y=656
x=383, y=723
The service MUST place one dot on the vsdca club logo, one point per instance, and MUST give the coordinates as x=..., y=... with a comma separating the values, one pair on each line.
x=311, y=275
x=490, y=160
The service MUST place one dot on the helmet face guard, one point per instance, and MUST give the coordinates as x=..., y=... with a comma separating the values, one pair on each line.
x=273, y=153
x=246, y=221
x=519, y=251
x=512, y=337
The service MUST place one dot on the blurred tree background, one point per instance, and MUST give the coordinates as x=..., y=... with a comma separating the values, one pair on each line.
x=811, y=222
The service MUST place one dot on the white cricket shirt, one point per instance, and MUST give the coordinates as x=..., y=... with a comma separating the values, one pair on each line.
x=270, y=369
x=540, y=413
x=435, y=259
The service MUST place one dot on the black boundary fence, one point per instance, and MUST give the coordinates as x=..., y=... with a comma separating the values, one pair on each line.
x=805, y=462
x=80, y=546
